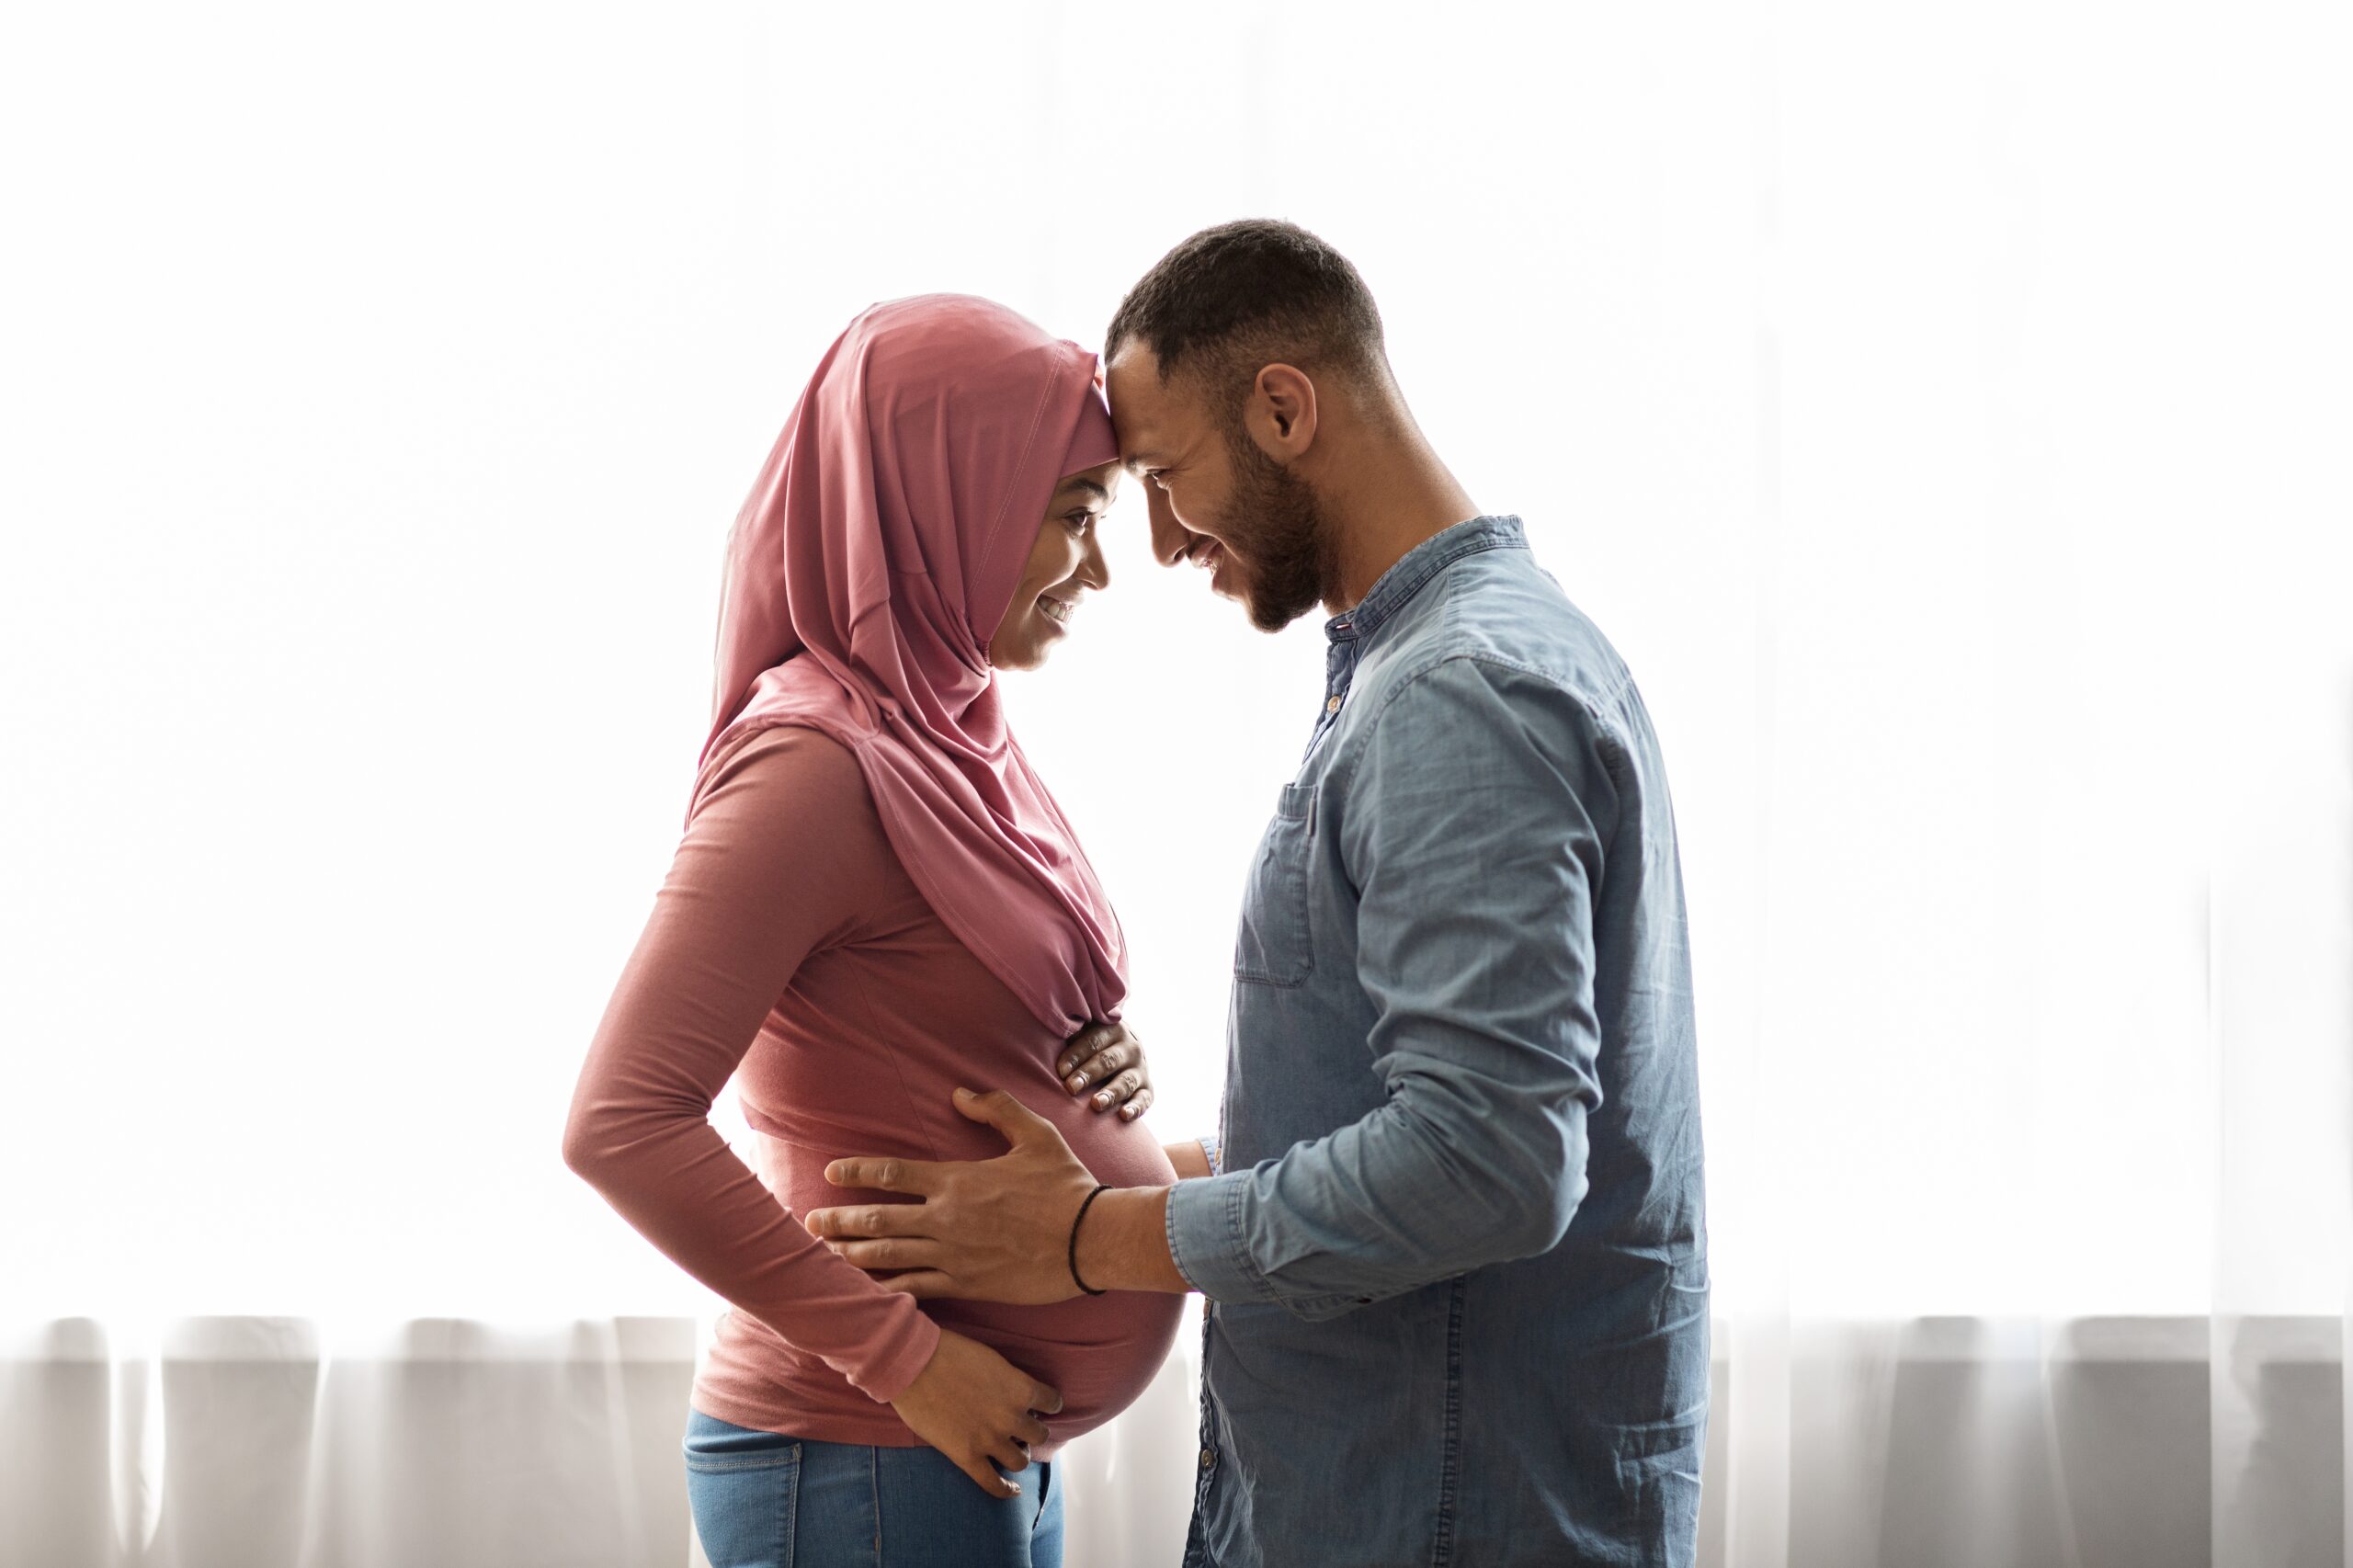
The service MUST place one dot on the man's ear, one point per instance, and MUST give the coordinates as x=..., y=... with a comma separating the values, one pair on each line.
x=1282, y=413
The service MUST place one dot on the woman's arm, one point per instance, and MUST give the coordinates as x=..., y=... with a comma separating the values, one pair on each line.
x=1191, y=1157
x=776, y=861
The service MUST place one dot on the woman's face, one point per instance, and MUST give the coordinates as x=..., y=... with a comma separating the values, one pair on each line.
x=1064, y=563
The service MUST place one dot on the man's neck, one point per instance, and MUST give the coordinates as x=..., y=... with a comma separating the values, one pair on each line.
x=1389, y=504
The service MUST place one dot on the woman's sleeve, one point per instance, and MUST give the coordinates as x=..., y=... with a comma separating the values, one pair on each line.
x=777, y=859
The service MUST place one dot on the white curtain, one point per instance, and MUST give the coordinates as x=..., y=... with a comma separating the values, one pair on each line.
x=1943, y=408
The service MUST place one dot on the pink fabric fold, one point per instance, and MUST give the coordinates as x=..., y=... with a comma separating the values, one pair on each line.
x=865, y=574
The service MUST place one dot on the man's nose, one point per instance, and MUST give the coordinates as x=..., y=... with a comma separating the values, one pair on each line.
x=1170, y=539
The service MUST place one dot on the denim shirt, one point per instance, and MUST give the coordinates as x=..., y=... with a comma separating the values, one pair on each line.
x=1456, y=1256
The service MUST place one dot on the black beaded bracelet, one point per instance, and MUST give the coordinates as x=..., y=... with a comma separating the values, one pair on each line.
x=1074, y=1280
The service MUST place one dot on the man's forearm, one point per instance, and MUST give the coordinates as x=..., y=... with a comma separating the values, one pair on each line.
x=1123, y=1241
x=1422, y=1187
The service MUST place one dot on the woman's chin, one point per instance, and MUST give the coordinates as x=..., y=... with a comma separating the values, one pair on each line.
x=1048, y=635
x=1039, y=633
x=1030, y=654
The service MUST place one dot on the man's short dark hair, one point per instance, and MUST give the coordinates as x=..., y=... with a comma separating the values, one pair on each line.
x=1250, y=294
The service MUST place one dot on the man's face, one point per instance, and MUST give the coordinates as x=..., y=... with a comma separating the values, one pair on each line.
x=1215, y=499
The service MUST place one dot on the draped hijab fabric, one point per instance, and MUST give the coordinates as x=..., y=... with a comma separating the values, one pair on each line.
x=865, y=576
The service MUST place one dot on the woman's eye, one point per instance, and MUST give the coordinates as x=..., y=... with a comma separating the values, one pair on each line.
x=1080, y=522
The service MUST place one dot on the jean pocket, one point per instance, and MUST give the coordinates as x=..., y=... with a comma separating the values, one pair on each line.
x=743, y=1494
x=749, y=1458
x=713, y=1445
x=1274, y=945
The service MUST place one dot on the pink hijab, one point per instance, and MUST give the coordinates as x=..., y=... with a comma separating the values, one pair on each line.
x=865, y=576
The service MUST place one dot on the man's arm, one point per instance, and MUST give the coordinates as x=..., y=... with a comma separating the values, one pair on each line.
x=1122, y=1242
x=1469, y=830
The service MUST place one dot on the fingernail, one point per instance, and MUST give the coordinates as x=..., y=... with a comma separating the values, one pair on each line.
x=963, y=1094
x=1103, y=1098
x=1077, y=1082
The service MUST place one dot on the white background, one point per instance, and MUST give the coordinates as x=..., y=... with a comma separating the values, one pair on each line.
x=1944, y=410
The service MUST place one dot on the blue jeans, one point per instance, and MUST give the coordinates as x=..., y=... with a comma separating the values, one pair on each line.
x=766, y=1500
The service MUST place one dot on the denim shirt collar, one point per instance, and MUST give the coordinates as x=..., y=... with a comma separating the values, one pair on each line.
x=1418, y=565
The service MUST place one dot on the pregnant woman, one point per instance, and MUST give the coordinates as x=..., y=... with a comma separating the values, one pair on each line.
x=876, y=901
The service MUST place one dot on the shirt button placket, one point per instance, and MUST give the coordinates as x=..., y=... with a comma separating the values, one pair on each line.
x=1339, y=669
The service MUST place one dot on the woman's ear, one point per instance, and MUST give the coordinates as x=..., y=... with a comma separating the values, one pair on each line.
x=1281, y=413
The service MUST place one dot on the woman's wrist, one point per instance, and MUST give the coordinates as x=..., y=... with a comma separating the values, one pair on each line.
x=1191, y=1160
x=914, y=1349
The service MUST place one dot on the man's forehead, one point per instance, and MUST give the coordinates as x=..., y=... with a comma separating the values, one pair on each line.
x=1139, y=405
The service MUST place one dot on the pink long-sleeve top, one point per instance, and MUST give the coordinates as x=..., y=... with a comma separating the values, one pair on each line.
x=789, y=949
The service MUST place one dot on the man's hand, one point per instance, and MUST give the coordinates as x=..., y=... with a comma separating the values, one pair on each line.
x=974, y=1406
x=986, y=1231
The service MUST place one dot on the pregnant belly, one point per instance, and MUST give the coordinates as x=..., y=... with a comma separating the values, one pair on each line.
x=1098, y=1352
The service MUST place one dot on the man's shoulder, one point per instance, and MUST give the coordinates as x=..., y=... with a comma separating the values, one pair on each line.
x=1500, y=621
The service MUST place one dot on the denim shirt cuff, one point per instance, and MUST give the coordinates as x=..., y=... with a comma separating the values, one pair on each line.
x=1204, y=1226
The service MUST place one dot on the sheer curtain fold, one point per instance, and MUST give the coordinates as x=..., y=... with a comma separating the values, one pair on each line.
x=273, y=1442
x=284, y=1443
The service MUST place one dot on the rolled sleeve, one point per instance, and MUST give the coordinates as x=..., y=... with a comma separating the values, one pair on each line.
x=1204, y=1221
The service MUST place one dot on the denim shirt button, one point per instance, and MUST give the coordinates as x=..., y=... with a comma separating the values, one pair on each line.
x=1208, y=1459
x=1332, y=705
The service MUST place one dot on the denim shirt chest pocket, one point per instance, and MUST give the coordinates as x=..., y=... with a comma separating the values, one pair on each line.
x=1273, y=946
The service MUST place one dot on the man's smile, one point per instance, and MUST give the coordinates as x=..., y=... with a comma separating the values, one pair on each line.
x=1211, y=556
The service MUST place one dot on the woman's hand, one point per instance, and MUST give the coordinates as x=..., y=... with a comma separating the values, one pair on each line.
x=974, y=1406
x=1108, y=1060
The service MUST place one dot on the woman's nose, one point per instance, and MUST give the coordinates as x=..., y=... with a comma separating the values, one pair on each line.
x=1095, y=567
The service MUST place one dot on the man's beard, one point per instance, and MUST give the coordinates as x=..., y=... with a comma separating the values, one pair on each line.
x=1278, y=532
